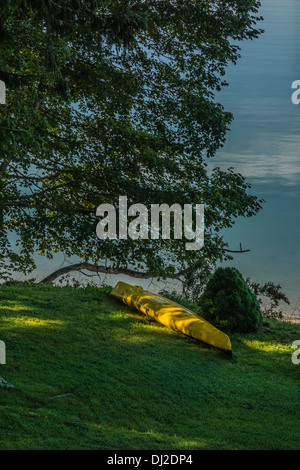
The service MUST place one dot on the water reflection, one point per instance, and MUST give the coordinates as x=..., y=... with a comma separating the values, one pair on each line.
x=264, y=145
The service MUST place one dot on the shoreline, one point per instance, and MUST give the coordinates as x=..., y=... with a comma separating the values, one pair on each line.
x=290, y=318
x=286, y=317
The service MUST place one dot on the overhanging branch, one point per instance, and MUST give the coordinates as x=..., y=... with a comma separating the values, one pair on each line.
x=103, y=269
x=95, y=269
x=237, y=251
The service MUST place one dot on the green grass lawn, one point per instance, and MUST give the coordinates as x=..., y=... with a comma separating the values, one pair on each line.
x=135, y=384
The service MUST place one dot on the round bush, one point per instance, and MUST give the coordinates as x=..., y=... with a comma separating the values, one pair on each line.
x=228, y=302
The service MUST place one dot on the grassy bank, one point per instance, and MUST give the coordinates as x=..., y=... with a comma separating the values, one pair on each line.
x=129, y=383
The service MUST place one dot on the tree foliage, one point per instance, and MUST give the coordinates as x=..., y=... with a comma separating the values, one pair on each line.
x=109, y=98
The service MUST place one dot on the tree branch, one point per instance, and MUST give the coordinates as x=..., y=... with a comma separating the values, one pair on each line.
x=95, y=269
x=102, y=269
x=237, y=251
x=46, y=207
x=36, y=105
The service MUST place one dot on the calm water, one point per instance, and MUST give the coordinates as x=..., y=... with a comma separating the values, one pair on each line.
x=263, y=145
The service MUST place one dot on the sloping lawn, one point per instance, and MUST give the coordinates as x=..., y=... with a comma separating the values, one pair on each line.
x=129, y=383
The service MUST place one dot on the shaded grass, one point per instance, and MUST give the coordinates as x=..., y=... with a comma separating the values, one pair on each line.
x=135, y=384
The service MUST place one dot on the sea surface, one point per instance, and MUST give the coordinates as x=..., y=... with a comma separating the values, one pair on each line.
x=263, y=145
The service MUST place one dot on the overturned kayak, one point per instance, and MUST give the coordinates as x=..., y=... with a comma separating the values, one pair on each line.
x=172, y=315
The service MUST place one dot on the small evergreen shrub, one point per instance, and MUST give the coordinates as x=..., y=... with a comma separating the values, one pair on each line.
x=228, y=302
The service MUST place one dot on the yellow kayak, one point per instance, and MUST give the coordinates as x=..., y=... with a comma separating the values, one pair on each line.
x=172, y=315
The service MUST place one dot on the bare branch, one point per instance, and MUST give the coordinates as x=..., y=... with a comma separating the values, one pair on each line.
x=105, y=270
x=237, y=251
x=95, y=269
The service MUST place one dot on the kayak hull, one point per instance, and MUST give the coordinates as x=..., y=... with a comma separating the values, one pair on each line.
x=172, y=315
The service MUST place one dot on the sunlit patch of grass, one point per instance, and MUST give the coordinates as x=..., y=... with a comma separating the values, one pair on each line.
x=30, y=322
x=130, y=383
x=269, y=346
x=13, y=307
